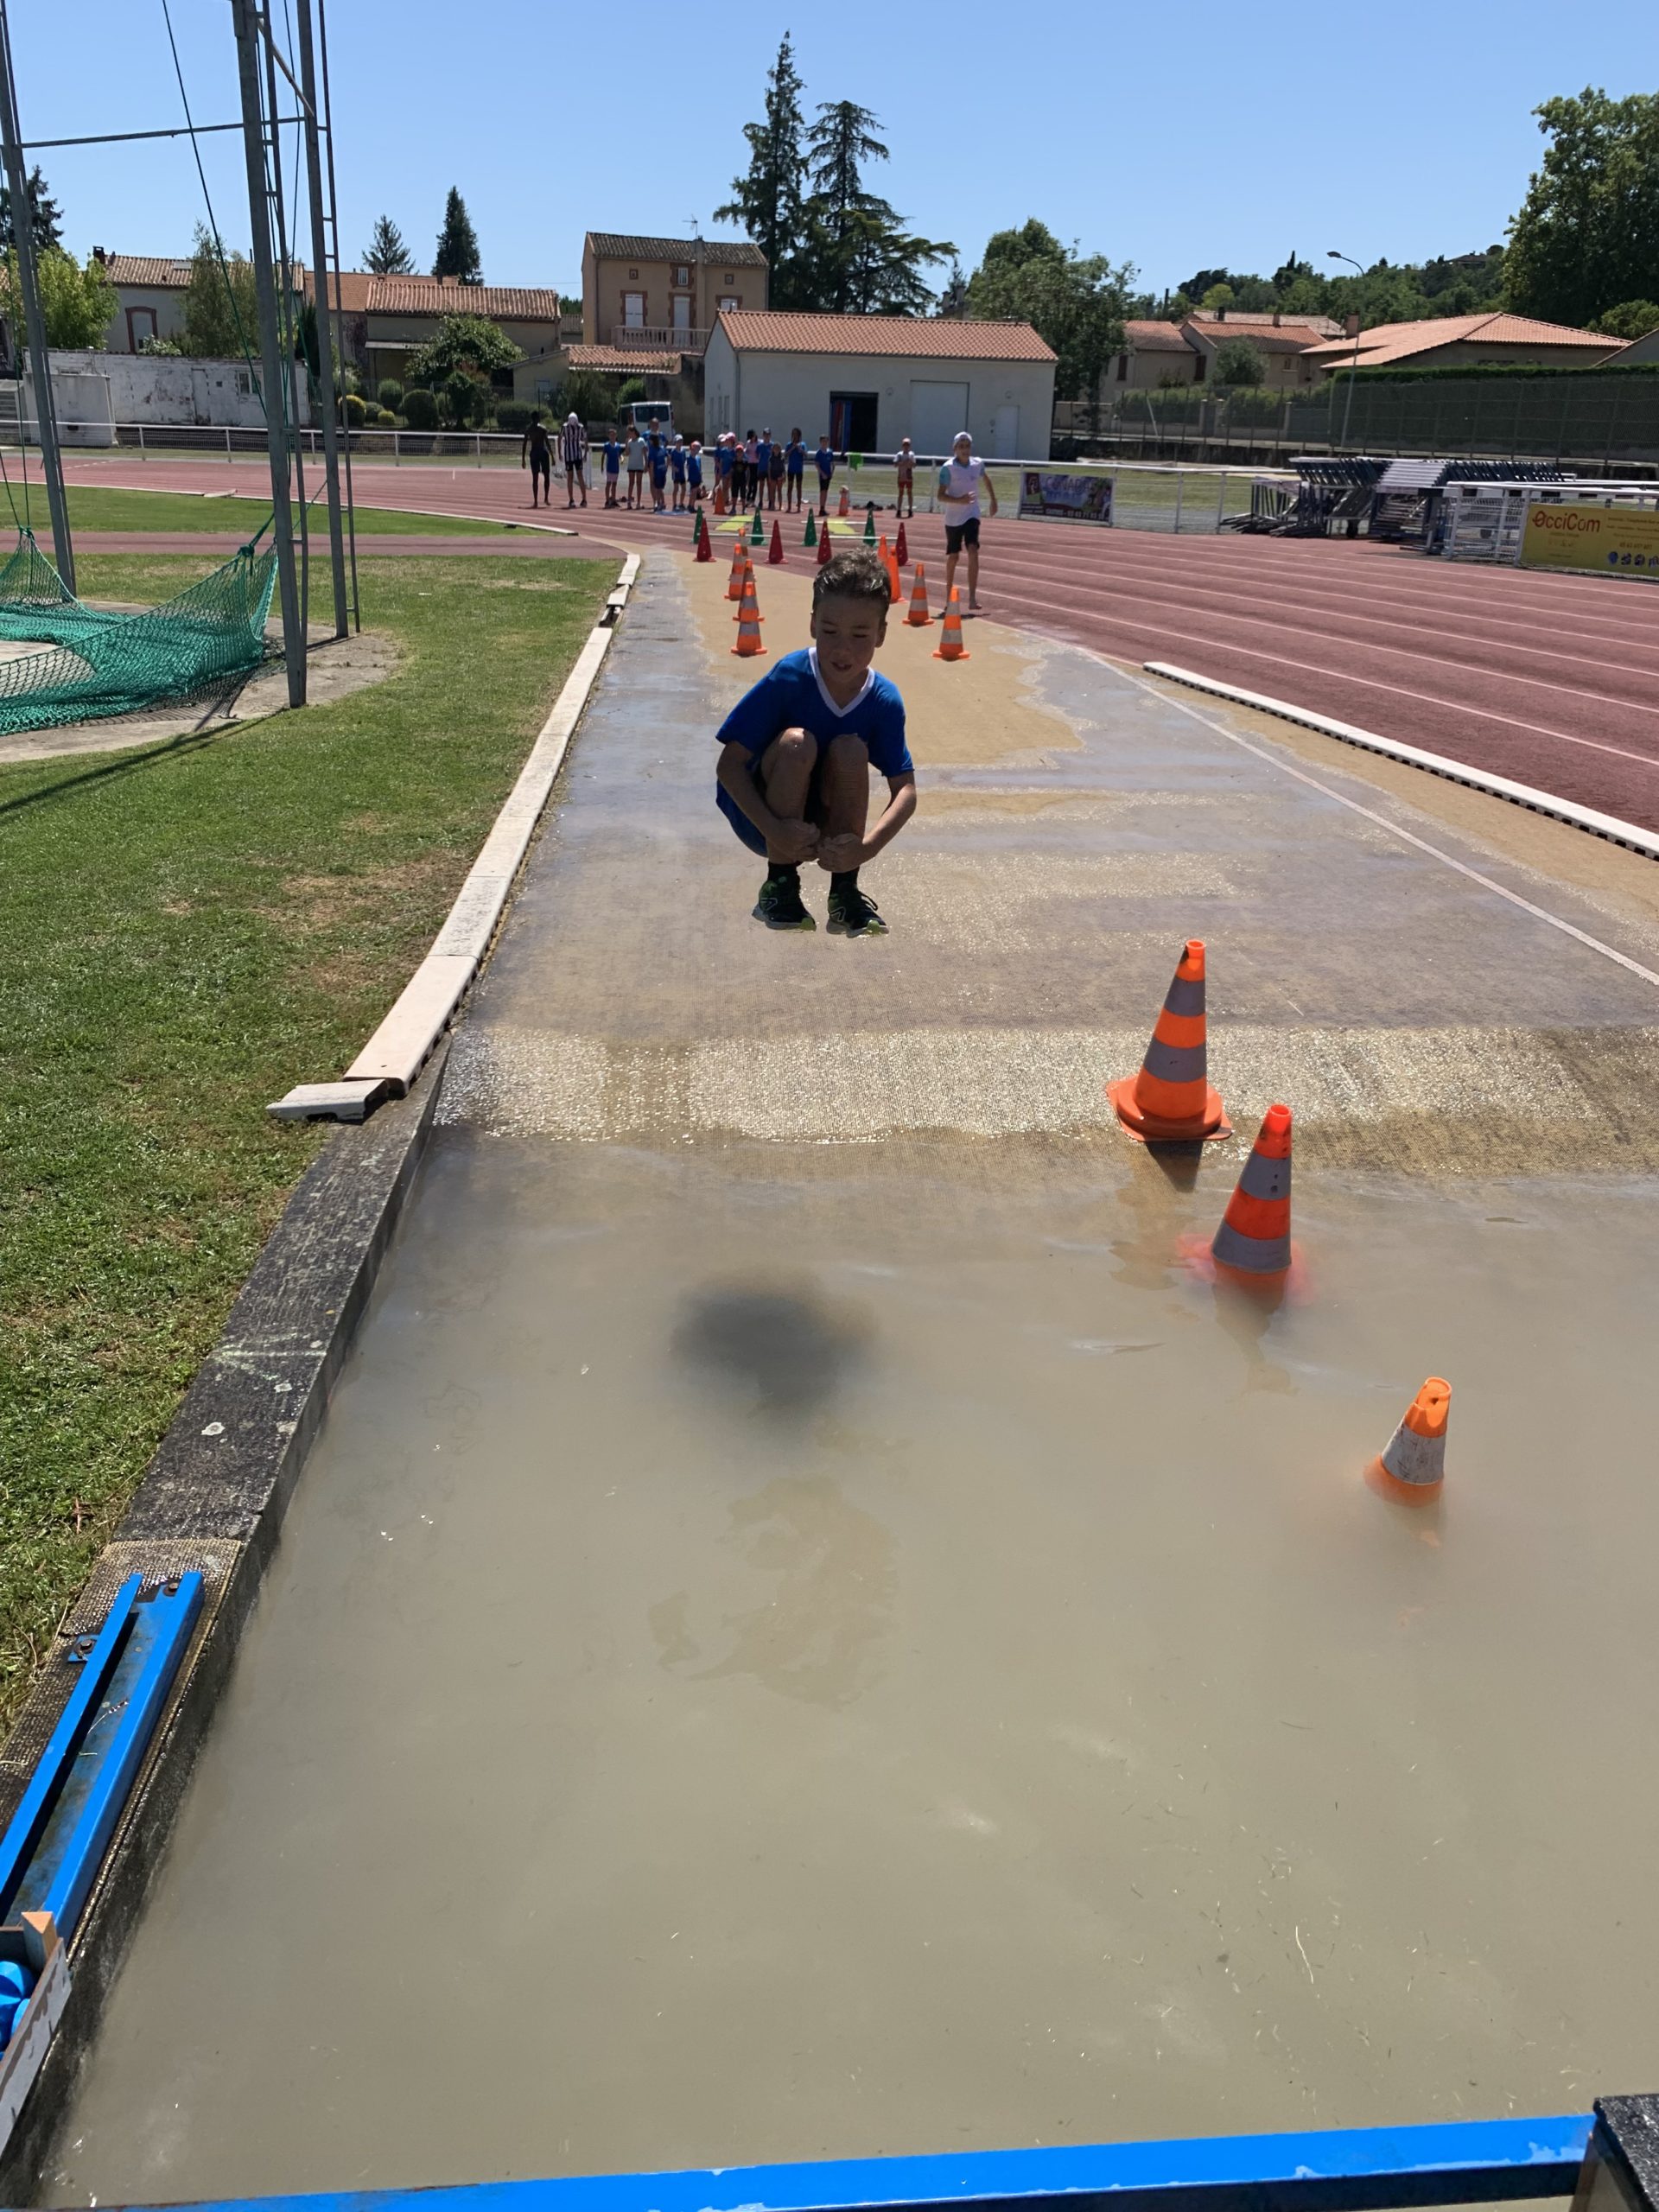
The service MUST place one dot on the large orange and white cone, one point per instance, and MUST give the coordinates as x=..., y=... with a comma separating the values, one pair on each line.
x=740, y=561
x=748, y=622
x=1254, y=1239
x=919, y=618
x=1412, y=1467
x=1170, y=1102
x=949, y=646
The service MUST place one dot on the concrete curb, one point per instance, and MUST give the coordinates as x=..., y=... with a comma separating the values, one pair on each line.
x=1479, y=779
x=394, y=1056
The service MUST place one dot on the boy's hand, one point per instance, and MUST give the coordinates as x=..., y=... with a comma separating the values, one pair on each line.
x=839, y=854
x=796, y=841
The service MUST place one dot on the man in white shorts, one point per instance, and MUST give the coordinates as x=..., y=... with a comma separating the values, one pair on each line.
x=960, y=481
x=903, y=469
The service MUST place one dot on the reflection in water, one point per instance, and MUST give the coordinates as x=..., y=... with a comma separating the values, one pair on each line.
x=825, y=1604
x=786, y=1341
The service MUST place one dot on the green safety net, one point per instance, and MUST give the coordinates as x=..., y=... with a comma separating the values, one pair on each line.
x=100, y=663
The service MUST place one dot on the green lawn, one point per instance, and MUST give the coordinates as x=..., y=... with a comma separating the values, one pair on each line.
x=90, y=507
x=190, y=929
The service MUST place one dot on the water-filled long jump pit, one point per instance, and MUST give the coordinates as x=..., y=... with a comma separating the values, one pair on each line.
x=809, y=1633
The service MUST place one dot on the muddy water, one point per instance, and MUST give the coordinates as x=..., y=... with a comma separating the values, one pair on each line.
x=803, y=1650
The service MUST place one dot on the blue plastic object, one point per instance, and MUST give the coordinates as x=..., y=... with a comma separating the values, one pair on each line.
x=15, y=1980
x=10, y=2009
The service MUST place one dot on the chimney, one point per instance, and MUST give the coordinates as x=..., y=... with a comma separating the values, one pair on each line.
x=1275, y=317
x=1351, y=327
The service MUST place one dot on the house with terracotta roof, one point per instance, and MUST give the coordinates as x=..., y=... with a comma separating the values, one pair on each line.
x=149, y=297
x=1453, y=340
x=663, y=294
x=867, y=381
x=1158, y=354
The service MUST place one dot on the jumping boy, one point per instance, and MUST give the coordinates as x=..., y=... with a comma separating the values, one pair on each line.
x=793, y=776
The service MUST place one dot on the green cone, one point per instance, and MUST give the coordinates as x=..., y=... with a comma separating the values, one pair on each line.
x=758, y=536
x=811, y=537
x=869, y=526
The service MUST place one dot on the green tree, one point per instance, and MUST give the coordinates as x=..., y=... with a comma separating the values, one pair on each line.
x=588, y=395
x=1219, y=295
x=457, y=254
x=1629, y=319
x=221, y=309
x=387, y=255
x=768, y=200
x=468, y=344
x=1587, y=232
x=45, y=216
x=862, y=259
x=1076, y=301
x=1238, y=362
x=76, y=303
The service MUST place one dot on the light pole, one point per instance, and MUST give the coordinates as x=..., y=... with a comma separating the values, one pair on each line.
x=1353, y=366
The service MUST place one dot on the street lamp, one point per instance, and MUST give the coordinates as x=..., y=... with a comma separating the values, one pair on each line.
x=1353, y=370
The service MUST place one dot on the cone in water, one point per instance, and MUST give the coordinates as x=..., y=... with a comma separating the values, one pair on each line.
x=950, y=645
x=1412, y=1467
x=748, y=622
x=811, y=537
x=734, y=581
x=870, y=525
x=919, y=618
x=1170, y=1102
x=1253, y=1240
x=705, y=550
x=826, y=552
x=757, y=535
x=775, y=550
x=900, y=550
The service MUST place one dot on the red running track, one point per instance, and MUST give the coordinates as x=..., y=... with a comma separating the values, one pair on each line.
x=1551, y=680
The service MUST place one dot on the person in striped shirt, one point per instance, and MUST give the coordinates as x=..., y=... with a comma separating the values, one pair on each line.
x=573, y=447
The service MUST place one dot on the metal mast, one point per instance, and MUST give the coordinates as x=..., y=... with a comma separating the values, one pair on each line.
x=46, y=417
x=323, y=322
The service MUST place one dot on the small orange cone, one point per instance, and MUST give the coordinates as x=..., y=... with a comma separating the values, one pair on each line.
x=1170, y=1102
x=1254, y=1239
x=720, y=495
x=919, y=618
x=845, y=505
x=705, y=551
x=775, y=550
x=1412, y=1467
x=826, y=552
x=739, y=556
x=949, y=644
x=900, y=550
x=884, y=558
x=748, y=622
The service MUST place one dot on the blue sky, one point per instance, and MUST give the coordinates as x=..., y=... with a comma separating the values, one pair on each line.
x=1170, y=136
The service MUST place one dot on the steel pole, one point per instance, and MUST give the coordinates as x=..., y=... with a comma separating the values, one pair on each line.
x=323, y=322
x=247, y=62
x=46, y=414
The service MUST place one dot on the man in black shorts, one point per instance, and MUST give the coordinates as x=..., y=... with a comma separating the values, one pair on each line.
x=960, y=482
x=538, y=454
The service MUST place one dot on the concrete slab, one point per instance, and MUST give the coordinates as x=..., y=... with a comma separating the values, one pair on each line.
x=808, y=1633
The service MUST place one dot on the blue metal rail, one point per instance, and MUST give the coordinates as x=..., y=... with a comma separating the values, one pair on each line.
x=1340, y=2170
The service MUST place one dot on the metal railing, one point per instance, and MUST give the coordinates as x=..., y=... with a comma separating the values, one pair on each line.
x=659, y=338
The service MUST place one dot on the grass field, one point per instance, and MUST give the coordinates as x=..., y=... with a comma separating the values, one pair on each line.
x=190, y=929
x=90, y=507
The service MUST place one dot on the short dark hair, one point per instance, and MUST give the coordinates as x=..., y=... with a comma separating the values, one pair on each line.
x=852, y=575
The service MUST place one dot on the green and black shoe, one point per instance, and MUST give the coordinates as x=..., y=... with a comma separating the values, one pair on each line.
x=852, y=913
x=779, y=906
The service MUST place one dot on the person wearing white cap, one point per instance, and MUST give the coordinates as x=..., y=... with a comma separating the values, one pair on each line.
x=572, y=445
x=960, y=482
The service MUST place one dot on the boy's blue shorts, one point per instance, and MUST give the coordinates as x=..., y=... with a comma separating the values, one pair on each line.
x=739, y=821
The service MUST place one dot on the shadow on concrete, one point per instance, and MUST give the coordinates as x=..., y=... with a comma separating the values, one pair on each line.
x=785, y=1342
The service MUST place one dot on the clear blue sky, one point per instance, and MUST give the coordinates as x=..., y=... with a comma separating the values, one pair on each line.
x=1174, y=138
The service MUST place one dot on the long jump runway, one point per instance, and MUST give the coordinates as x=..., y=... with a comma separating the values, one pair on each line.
x=1552, y=681
x=808, y=1631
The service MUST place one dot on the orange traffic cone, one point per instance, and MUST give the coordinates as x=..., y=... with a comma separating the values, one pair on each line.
x=900, y=550
x=846, y=504
x=748, y=622
x=949, y=644
x=1254, y=1239
x=705, y=551
x=720, y=495
x=739, y=556
x=826, y=552
x=919, y=618
x=1170, y=1102
x=775, y=550
x=1412, y=1467
x=895, y=589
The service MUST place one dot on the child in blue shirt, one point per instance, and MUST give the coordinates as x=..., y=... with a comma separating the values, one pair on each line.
x=826, y=461
x=694, y=472
x=794, y=471
x=793, y=776
x=613, y=467
x=677, y=470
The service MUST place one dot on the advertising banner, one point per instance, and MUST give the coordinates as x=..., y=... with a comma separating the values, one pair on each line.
x=1614, y=540
x=1078, y=499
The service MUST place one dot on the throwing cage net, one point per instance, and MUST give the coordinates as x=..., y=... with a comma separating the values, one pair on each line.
x=97, y=662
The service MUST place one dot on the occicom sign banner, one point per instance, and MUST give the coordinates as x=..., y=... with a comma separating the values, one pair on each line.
x=1614, y=540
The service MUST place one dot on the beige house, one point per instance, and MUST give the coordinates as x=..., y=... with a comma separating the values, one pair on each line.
x=663, y=294
x=1158, y=354
x=149, y=298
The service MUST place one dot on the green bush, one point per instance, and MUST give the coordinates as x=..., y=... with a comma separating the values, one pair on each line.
x=631, y=389
x=390, y=393
x=516, y=414
x=420, y=409
x=355, y=410
x=383, y=419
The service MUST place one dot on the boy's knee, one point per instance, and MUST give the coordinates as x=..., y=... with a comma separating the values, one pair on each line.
x=849, y=752
x=799, y=745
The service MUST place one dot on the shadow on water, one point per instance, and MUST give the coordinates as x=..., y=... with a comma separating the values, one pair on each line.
x=784, y=1343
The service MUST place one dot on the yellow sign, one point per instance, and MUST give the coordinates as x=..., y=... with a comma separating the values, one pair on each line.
x=1615, y=540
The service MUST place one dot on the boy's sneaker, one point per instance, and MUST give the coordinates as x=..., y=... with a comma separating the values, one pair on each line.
x=852, y=913
x=779, y=906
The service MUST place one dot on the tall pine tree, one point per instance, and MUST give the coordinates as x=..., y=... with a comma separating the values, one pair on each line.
x=387, y=255
x=44, y=215
x=862, y=259
x=767, y=198
x=457, y=255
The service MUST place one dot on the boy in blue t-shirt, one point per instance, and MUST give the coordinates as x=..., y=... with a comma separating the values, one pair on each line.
x=796, y=752
x=826, y=461
x=677, y=470
x=613, y=467
x=794, y=470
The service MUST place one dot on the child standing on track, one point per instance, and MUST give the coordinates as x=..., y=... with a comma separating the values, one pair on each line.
x=537, y=455
x=677, y=470
x=612, y=450
x=638, y=453
x=795, y=469
x=793, y=776
x=903, y=467
x=763, y=469
x=694, y=473
x=826, y=461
